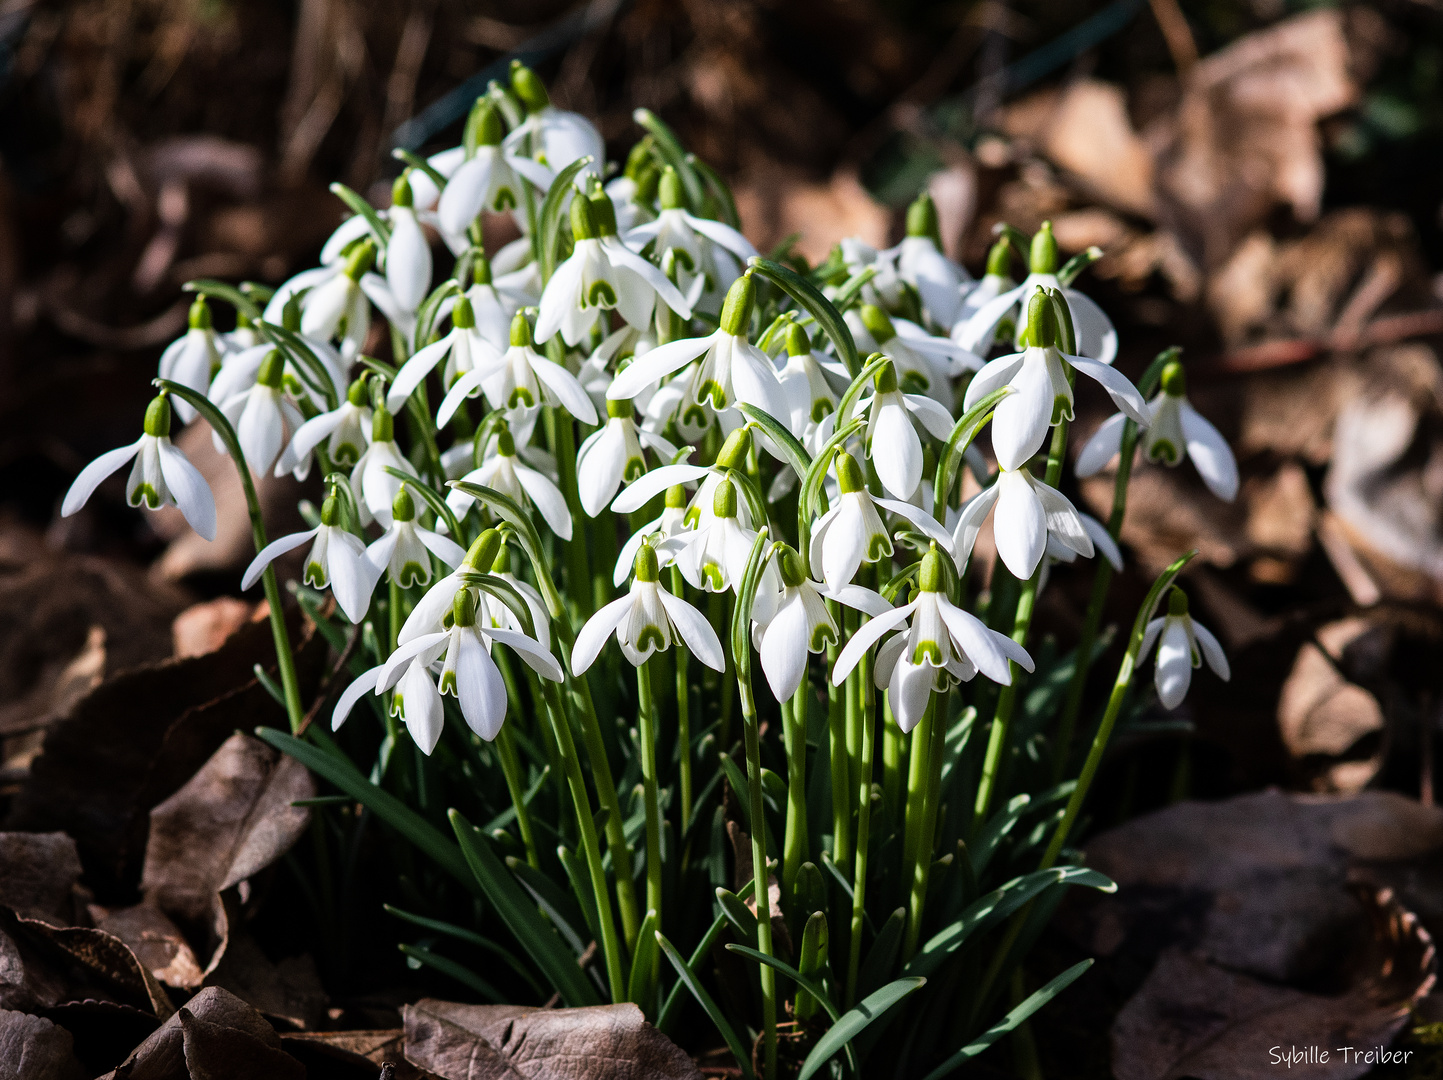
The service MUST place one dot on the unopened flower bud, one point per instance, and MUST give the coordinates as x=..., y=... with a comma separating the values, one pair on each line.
x=790, y=564
x=505, y=443
x=463, y=315
x=999, y=259
x=272, y=370
x=463, y=609
x=356, y=392
x=401, y=190
x=1174, y=381
x=798, y=344
x=676, y=497
x=922, y=218
x=529, y=88
x=603, y=213
x=1041, y=320
x=383, y=427
x=331, y=511
x=878, y=324
x=480, y=267
x=1043, y=257
x=736, y=311
x=619, y=408
x=361, y=259
x=886, y=377
x=1177, y=602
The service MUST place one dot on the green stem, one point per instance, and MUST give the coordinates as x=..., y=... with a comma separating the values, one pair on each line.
x=578, y=571
x=927, y=834
x=591, y=848
x=914, y=845
x=894, y=761
x=683, y=710
x=794, y=845
x=646, y=723
x=864, y=825
x=760, y=890
x=511, y=768
x=393, y=612
x=838, y=709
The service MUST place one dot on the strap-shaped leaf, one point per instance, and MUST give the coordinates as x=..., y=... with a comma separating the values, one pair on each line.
x=852, y=286
x=688, y=979
x=504, y=507
x=229, y=293
x=549, y=220
x=786, y=442
x=963, y=432
x=643, y=962
x=670, y=149
x=748, y=490
x=426, y=313
x=856, y=1020
x=416, y=161
x=460, y=972
x=379, y=229
x=742, y=619
x=460, y=933
x=673, y=998
x=811, y=299
x=720, y=190
x=881, y=959
x=858, y=387
x=521, y=916
x=433, y=499
x=1010, y=1021
x=1077, y=264
x=811, y=986
x=382, y=803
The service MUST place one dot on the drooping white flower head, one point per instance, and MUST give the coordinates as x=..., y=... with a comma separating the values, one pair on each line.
x=602, y=274
x=192, y=360
x=810, y=397
x=1176, y=427
x=925, y=364
x=892, y=441
x=669, y=523
x=994, y=282
x=552, y=138
x=337, y=560
x=1182, y=644
x=404, y=551
x=373, y=488
x=1041, y=390
x=646, y=620
x=613, y=455
x=266, y=420
x=504, y=471
x=486, y=180
x=336, y=306
x=463, y=348
x=345, y=430
x=713, y=556
x=941, y=284
x=1029, y=515
x=704, y=248
x=160, y=477
x=521, y=378
x=408, y=253
x=943, y=644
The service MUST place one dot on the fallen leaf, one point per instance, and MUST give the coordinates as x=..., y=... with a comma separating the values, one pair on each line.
x=156, y=941
x=776, y=203
x=1320, y=711
x=1089, y=135
x=216, y=1052
x=290, y=990
x=33, y=1048
x=343, y=1055
x=203, y=628
x=40, y=876
x=212, y=1025
x=502, y=1042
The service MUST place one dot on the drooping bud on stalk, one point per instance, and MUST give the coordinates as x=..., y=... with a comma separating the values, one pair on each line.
x=272, y=370
x=331, y=511
x=798, y=344
x=1177, y=602
x=401, y=190
x=645, y=568
x=383, y=427
x=669, y=190
x=724, y=502
x=878, y=324
x=482, y=552
x=463, y=609
x=849, y=474
x=886, y=378
x=603, y=213
x=733, y=452
x=463, y=315
x=1174, y=380
x=1043, y=257
x=403, y=507
x=157, y=416
x=583, y=219
x=999, y=259
x=200, y=318
x=356, y=392
x=931, y=577
x=790, y=564
x=529, y=88
x=1041, y=330
x=736, y=314
x=521, y=331
x=361, y=259
x=922, y=219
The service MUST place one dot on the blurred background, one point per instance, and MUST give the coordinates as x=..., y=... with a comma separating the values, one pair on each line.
x=1265, y=178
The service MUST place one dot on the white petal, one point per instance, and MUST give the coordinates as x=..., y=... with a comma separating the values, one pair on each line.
x=626, y=558
x=656, y=365
x=1102, y=447
x=1063, y=520
x=654, y=483
x=1149, y=638
x=1102, y=540
x=784, y=650
x=977, y=642
x=1174, y=664
x=1118, y=387
x=695, y=632
x=468, y=383
x=537, y=658
x=977, y=332
x=395, y=664
x=444, y=548
x=1212, y=651
x=91, y=477
x=862, y=599
x=1094, y=331
x=479, y=688
x=414, y=371
x=969, y=523
x=1022, y=419
x=364, y=684
x=1019, y=525
x=909, y=691
x=408, y=260
x=865, y=637
x=189, y=489
x=896, y=450
x=622, y=256
x=565, y=386
x=724, y=235
x=548, y=499
x=1210, y=453
x=560, y=296
x=994, y=375
x=754, y=381
x=269, y=553
x=922, y=521
x=591, y=637
x=934, y=417
x=353, y=578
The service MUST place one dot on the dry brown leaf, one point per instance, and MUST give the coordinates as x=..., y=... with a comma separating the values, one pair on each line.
x=506, y=1042
x=212, y=1025
x=1320, y=711
x=204, y=628
x=362, y=1051
x=290, y=990
x=1090, y=136
x=775, y=204
x=40, y=876
x=33, y=1048
x=216, y=1052
x=156, y=941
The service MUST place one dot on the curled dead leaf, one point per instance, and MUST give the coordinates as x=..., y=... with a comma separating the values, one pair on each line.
x=33, y=1048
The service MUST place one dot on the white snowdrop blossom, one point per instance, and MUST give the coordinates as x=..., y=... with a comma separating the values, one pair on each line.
x=810, y=397
x=602, y=274
x=1182, y=644
x=549, y=136
x=192, y=360
x=1029, y=514
x=892, y=441
x=266, y=420
x=408, y=254
x=613, y=455
x=1041, y=390
x=943, y=644
x=337, y=305
x=669, y=523
x=924, y=363
x=647, y=620
x=484, y=181
x=704, y=248
x=993, y=283
x=404, y=551
x=161, y=476
x=505, y=472
x=1176, y=427
x=940, y=283
x=520, y=378
x=373, y=488
x=713, y=556
x=345, y=430
x=464, y=348
x=337, y=560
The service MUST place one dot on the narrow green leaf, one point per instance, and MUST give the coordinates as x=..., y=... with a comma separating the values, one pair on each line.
x=504, y=507
x=521, y=916
x=719, y=188
x=426, y=314
x=459, y=972
x=852, y=286
x=229, y=293
x=691, y=982
x=812, y=958
x=560, y=908
x=998, y=825
x=858, y=386
x=810, y=985
x=550, y=219
x=673, y=998
x=460, y=933
x=1010, y=1021
x=380, y=231
x=577, y=875
x=670, y=149
x=1077, y=264
x=856, y=1020
x=416, y=161
x=738, y=914
x=810, y=297
x=877, y=967
x=786, y=442
x=295, y=346
x=642, y=963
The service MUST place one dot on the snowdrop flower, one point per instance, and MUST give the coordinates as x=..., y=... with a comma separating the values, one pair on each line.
x=602, y=274
x=1041, y=391
x=885, y=288
x=732, y=368
x=1182, y=644
x=670, y=522
x=337, y=560
x=266, y=420
x=492, y=306
x=408, y=254
x=943, y=644
x=521, y=378
x=485, y=181
x=160, y=477
x=851, y=532
x=501, y=615
x=404, y=550
x=1029, y=514
x=1176, y=426
x=338, y=306
x=372, y=486
x=994, y=282
x=504, y=472
x=892, y=441
x=703, y=247
x=923, y=362
x=1058, y=552
x=192, y=360
x=634, y=191
x=713, y=557
x=793, y=622
x=1095, y=336
x=434, y=607
x=464, y=349
x=810, y=396
x=551, y=136
x=243, y=337
x=345, y=430
x=645, y=621
x=613, y=455
x=699, y=514
x=940, y=283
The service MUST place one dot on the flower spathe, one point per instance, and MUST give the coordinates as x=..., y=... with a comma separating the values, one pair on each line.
x=161, y=476
x=1182, y=644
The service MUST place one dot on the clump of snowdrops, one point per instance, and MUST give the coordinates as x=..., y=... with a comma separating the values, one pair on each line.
x=603, y=472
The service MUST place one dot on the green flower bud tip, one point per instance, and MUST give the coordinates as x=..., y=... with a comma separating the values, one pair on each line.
x=362, y=258
x=603, y=213
x=502, y=564
x=1177, y=602
x=273, y=368
x=638, y=160
x=645, y=567
x=886, y=378
x=463, y=608
x=669, y=190
x=157, y=416
x=647, y=185
x=724, y=502
x=878, y=323
x=463, y=315
x=403, y=507
x=482, y=552
x=798, y=344
x=737, y=310
x=480, y=267
x=505, y=444
x=922, y=217
x=676, y=497
x=930, y=578
x=1041, y=320
x=520, y=330
x=790, y=564
x=200, y=318
x=583, y=219
x=849, y=474
x=999, y=259
x=1043, y=257
x=733, y=453
x=488, y=126
x=619, y=408
x=1174, y=380
x=383, y=428
x=530, y=89
x=331, y=511
x=291, y=313
x=401, y=190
